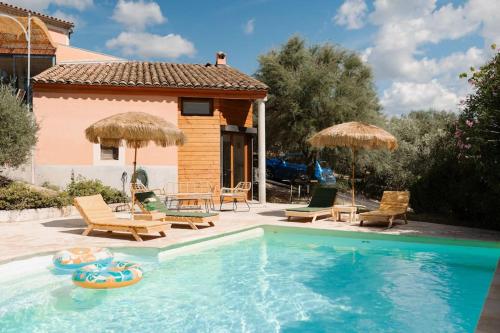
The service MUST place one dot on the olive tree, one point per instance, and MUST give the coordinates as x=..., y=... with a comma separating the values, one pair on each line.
x=311, y=88
x=18, y=129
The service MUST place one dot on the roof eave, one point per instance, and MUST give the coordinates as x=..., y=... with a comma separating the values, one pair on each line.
x=149, y=90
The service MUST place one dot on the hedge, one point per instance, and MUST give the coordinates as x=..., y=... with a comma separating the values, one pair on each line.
x=17, y=195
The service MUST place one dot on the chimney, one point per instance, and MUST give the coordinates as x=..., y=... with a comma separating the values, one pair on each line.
x=220, y=58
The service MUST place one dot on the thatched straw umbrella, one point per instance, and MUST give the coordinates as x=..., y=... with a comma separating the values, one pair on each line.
x=356, y=136
x=136, y=129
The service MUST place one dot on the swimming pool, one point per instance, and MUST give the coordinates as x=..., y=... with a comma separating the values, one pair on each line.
x=279, y=280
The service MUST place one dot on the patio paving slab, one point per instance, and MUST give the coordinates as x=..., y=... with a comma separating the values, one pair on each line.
x=21, y=239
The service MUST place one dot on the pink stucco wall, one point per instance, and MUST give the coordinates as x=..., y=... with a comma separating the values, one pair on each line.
x=65, y=53
x=58, y=37
x=63, y=117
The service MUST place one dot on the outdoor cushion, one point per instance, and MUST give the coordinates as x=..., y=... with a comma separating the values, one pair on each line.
x=323, y=198
x=151, y=203
x=188, y=214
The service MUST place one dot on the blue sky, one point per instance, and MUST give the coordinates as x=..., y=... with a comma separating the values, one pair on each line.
x=416, y=48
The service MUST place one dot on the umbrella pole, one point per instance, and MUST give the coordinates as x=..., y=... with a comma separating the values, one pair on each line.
x=134, y=180
x=135, y=163
x=352, y=179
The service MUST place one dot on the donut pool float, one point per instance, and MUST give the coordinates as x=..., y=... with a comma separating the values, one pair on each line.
x=70, y=259
x=115, y=275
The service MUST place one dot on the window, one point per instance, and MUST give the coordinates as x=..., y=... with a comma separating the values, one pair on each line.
x=108, y=156
x=196, y=107
x=109, y=153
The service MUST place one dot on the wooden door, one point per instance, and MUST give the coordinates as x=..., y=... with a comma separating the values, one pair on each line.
x=235, y=159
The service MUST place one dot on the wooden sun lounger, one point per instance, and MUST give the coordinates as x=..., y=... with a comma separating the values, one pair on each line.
x=394, y=204
x=308, y=212
x=190, y=218
x=155, y=209
x=321, y=204
x=99, y=216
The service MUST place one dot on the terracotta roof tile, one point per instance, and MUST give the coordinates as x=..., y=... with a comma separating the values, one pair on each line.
x=150, y=74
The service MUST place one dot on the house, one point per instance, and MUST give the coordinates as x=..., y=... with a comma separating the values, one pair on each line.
x=50, y=44
x=212, y=103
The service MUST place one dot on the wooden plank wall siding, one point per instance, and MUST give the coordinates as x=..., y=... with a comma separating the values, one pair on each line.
x=199, y=158
x=236, y=112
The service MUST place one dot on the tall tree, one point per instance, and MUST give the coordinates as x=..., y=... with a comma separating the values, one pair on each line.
x=478, y=142
x=478, y=131
x=311, y=88
x=462, y=174
x=421, y=135
x=17, y=129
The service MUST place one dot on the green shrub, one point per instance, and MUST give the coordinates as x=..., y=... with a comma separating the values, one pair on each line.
x=20, y=196
x=4, y=181
x=81, y=187
x=51, y=186
x=421, y=135
x=18, y=129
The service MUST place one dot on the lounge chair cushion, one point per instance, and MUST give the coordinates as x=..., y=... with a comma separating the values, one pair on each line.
x=188, y=214
x=323, y=196
x=151, y=203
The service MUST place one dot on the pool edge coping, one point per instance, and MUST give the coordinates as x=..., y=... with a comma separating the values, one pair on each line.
x=311, y=228
x=489, y=320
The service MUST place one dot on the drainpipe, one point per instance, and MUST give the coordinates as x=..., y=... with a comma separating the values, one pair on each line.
x=261, y=105
x=28, y=84
x=29, y=95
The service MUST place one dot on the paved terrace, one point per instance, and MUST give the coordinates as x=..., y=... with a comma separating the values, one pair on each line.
x=20, y=239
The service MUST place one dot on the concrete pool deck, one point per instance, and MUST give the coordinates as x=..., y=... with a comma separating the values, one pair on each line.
x=20, y=239
x=23, y=239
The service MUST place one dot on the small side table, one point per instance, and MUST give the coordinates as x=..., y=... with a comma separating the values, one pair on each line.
x=337, y=210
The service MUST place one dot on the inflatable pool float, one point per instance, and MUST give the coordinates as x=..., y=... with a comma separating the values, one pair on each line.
x=70, y=259
x=115, y=275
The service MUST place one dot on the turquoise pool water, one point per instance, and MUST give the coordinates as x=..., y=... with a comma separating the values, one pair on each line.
x=284, y=281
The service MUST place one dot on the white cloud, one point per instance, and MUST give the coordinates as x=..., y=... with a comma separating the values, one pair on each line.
x=69, y=17
x=136, y=15
x=398, y=53
x=351, y=14
x=146, y=45
x=42, y=5
x=487, y=12
x=403, y=32
x=365, y=54
x=389, y=10
x=402, y=97
x=249, y=27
